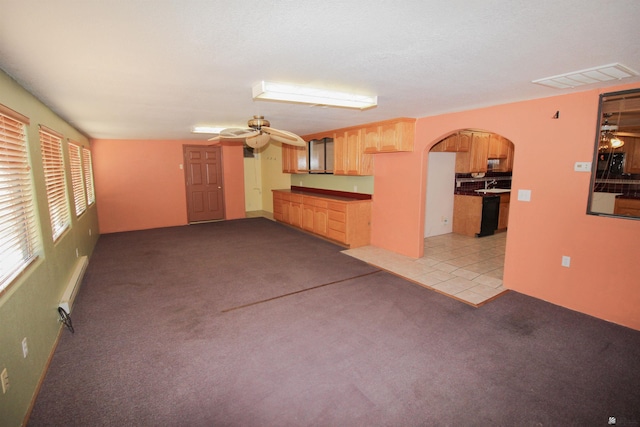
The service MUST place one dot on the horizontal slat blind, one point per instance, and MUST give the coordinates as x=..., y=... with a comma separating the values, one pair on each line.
x=88, y=176
x=53, y=164
x=19, y=243
x=77, y=179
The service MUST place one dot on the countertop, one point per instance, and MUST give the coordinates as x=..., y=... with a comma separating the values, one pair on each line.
x=476, y=194
x=327, y=194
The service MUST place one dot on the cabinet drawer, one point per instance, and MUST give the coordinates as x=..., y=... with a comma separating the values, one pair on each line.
x=296, y=198
x=337, y=225
x=339, y=207
x=337, y=216
x=337, y=235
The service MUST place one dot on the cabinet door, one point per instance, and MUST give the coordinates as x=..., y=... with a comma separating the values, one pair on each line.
x=339, y=154
x=320, y=220
x=464, y=141
x=294, y=159
x=354, y=152
x=479, y=152
x=307, y=216
x=371, y=139
x=450, y=144
x=497, y=147
x=632, y=160
x=295, y=214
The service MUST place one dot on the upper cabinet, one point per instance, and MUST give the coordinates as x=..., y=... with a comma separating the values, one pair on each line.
x=349, y=156
x=478, y=152
x=389, y=136
x=294, y=159
x=354, y=147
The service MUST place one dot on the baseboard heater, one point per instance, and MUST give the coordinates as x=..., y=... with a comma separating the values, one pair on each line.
x=66, y=302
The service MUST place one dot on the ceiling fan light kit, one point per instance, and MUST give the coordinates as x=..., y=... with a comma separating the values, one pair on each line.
x=308, y=95
x=259, y=134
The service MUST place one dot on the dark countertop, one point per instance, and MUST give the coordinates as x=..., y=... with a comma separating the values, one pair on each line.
x=327, y=194
x=473, y=193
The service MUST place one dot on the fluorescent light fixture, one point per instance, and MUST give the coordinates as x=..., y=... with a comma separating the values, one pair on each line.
x=206, y=129
x=589, y=76
x=308, y=95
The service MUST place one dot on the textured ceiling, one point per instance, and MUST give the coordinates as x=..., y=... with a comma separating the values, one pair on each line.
x=153, y=69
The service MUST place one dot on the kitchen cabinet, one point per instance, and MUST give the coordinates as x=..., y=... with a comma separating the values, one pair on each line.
x=343, y=220
x=453, y=144
x=475, y=160
x=315, y=215
x=632, y=157
x=349, y=156
x=467, y=214
x=503, y=217
x=498, y=147
x=294, y=159
x=627, y=207
x=389, y=136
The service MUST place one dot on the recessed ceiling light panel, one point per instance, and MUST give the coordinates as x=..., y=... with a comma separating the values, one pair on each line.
x=308, y=95
x=589, y=76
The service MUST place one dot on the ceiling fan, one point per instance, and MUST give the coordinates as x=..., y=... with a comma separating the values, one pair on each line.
x=259, y=134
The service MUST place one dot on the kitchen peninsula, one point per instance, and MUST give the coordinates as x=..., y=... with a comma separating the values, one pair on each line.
x=339, y=216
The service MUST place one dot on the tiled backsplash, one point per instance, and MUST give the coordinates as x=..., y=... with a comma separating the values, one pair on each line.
x=466, y=183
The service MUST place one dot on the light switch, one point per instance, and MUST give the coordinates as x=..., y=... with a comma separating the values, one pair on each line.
x=582, y=167
x=524, y=195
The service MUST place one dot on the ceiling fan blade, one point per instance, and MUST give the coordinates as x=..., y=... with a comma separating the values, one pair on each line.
x=284, y=136
x=215, y=138
x=237, y=133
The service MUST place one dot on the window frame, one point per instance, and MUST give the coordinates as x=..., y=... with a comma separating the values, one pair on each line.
x=77, y=177
x=55, y=181
x=20, y=241
x=87, y=170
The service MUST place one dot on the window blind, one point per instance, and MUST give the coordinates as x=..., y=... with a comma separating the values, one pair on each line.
x=77, y=179
x=53, y=164
x=19, y=242
x=88, y=176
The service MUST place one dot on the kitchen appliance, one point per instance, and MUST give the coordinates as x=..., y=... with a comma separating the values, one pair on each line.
x=610, y=163
x=490, y=212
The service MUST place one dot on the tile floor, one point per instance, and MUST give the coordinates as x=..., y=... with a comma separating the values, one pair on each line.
x=466, y=268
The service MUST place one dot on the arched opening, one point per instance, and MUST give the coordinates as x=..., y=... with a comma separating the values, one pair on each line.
x=469, y=174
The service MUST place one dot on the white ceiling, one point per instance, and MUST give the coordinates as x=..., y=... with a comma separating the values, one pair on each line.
x=135, y=69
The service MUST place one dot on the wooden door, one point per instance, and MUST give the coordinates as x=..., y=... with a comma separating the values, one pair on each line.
x=203, y=176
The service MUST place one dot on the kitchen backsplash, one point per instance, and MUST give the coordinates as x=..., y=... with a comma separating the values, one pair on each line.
x=466, y=182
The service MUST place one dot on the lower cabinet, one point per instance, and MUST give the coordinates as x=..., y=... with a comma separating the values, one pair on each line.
x=627, y=207
x=503, y=217
x=346, y=221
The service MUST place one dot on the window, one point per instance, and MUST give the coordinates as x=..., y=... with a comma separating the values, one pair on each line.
x=19, y=242
x=77, y=179
x=51, y=146
x=88, y=176
x=321, y=155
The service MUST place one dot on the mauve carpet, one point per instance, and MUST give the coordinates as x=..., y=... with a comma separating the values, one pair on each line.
x=229, y=324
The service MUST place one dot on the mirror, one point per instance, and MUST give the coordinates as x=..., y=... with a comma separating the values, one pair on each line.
x=615, y=171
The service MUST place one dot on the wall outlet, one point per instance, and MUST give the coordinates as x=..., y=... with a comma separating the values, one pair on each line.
x=566, y=261
x=355, y=188
x=4, y=379
x=89, y=232
x=25, y=347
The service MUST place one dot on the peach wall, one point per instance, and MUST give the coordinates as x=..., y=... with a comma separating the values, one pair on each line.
x=603, y=278
x=140, y=185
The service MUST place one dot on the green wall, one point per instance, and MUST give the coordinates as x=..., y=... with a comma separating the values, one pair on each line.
x=28, y=307
x=353, y=184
